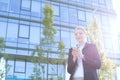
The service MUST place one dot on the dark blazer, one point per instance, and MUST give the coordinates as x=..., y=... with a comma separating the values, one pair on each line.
x=91, y=62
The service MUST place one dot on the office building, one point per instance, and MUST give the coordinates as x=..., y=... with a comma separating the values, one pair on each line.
x=20, y=26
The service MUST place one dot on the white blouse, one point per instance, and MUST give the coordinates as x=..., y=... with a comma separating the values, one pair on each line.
x=79, y=71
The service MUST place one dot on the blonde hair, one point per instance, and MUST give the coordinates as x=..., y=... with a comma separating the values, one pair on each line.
x=81, y=28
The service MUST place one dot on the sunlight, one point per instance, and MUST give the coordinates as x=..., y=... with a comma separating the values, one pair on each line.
x=116, y=7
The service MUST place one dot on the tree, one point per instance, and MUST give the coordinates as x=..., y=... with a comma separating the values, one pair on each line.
x=108, y=67
x=46, y=44
x=2, y=44
x=4, y=68
x=2, y=63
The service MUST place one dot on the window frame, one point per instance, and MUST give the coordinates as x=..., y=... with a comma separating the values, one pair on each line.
x=24, y=71
x=55, y=5
x=84, y=13
x=102, y=3
x=28, y=31
x=25, y=9
x=40, y=9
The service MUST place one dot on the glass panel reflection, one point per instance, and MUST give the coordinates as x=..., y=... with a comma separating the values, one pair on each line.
x=4, y=5
x=52, y=69
x=26, y=4
x=3, y=29
x=36, y=8
x=24, y=31
x=81, y=15
x=34, y=35
x=15, y=6
x=20, y=66
x=12, y=32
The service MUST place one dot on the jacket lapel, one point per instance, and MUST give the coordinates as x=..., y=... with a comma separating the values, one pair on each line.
x=86, y=45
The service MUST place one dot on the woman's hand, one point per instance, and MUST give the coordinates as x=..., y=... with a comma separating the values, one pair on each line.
x=77, y=53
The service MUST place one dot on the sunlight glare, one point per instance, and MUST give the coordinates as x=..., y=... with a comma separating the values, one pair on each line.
x=116, y=7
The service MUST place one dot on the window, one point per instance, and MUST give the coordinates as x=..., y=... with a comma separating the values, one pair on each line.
x=25, y=4
x=95, y=2
x=81, y=15
x=57, y=35
x=42, y=9
x=98, y=17
x=119, y=41
x=24, y=31
x=81, y=1
x=12, y=32
x=57, y=9
x=108, y=43
x=118, y=71
x=44, y=69
x=29, y=69
x=64, y=14
x=35, y=8
x=20, y=69
x=73, y=40
x=19, y=75
x=20, y=66
x=65, y=37
x=104, y=20
x=52, y=77
x=52, y=69
x=61, y=71
x=34, y=35
x=15, y=6
x=89, y=17
x=102, y=1
x=41, y=32
x=2, y=29
x=22, y=45
x=109, y=5
x=12, y=44
x=73, y=15
x=88, y=2
x=4, y=5
x=11, y=70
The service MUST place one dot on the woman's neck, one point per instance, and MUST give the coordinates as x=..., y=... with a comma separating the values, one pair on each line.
x=82, y=42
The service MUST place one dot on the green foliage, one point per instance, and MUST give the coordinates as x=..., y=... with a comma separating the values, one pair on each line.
x=48, y=39
x=60, y=78
x=2, y=44
x=36, y=75
x=108, y=67
x=2, y=71
x=61, y=49
x=46, y=44
x=4, y=68
x=51, y=78
x=49, y=31
x=61, y=45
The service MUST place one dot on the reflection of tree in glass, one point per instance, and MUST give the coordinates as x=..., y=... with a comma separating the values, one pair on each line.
x=47, y=42
x=108, y=67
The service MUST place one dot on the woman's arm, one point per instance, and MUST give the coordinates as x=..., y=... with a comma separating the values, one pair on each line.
x=92, y=58
x=71, y=62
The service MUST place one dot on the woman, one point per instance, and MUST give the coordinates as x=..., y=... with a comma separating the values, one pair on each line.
x=84, y=59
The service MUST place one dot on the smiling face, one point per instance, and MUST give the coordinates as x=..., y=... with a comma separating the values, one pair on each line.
x=80, y=35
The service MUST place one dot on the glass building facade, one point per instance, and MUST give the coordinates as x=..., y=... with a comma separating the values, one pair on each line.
x=20, y=26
